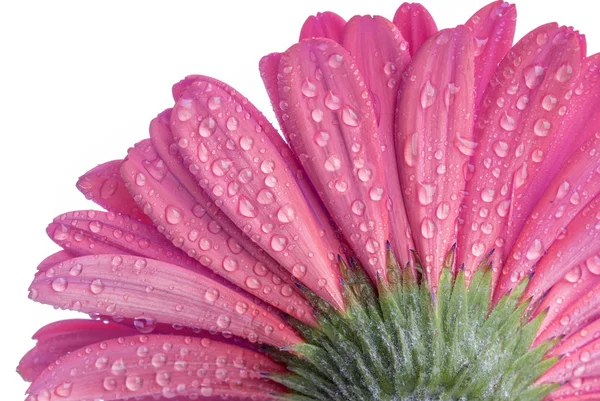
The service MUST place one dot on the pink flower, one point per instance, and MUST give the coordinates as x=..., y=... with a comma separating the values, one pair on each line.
x=334, y=263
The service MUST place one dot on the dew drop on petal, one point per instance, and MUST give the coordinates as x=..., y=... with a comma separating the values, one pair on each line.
x=428, y=93
x=286, y=214
x=349, y=117
x=535, y=250
x=573, y=275
x=593, y=264
x=427, y=228
x=507, y=122
x=207, y=127
x=246, y=208
x=278, y=243
x=173, y=215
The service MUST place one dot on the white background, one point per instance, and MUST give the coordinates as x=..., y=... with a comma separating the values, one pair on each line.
x=80, y=81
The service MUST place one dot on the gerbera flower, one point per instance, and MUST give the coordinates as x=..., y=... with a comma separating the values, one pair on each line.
x=428, y=228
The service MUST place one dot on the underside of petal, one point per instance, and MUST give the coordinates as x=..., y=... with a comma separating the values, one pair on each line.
x=323, y=25
x=155, y=365
x=416, y=25
x=133, y=287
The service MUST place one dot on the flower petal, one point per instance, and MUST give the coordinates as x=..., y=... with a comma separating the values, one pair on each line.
x=331, y=124
x=231, y=145
x=103, y=185
x=381, y=55
x=516, y=130
x=579, y=240
x=578, y=365
x=568, y=193
x=55, y=258
x=130, y=286
x=415, y=24
x=60, y=338
x=177, y=215
x=323, y=25
x=493, y=32
x=167, y=150
x=156, y=365
x=435, y=140
x=584, y=335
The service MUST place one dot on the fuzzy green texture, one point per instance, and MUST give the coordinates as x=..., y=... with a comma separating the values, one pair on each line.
x=402, y=342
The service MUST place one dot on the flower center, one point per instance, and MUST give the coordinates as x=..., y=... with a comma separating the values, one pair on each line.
x=403, y=341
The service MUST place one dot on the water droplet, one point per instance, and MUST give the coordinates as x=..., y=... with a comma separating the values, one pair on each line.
x=335, y=60
x=241, y=307
x=214, y=103
x=503, y=208
x=246, y=208
x=207, y=127
x=535, y=250
x=144, y=325
x=59, y=284
x=220, y=167
x=140, y=179
x=349, y=117
x=252, y=283
x=333, y=163
x=286, y=214
x=163, y=378
x=425, y=194
x=267, y=166
x=109, y=383
x=309, y=89
x=358, y=208
x=376, y=193
x=223, y=321
x=64, y=389
x=428, y=93
x=443, y=211
x=427, y=228
x=159, y=360
x=507, y=122
x=97, y=286
x=321, y=138
x=332, y=102
x=118, y=367
x=232, y=123
x=364, y=174
x=564, y=73
x=542, y=127
x=477, y=249
x=133, y=383
x=593, y=264
x=341, y=186
x=549, y=102
x=533, y=76
x=278, y=243
x=230, y=264
x=173, y=215
x=265, y=197
x=521, y=176
x=488, y=194
x=573, y=275
x=372, y=246
x=500, y=148
x=211, y=295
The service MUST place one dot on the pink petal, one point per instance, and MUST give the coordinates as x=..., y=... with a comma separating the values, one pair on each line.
x=434, y=142
x=579, y=312
x=180, y=218
x=579, y=243
x=568, y=193
x=323, y=25
x=576, y=340
x=332, y=127
x=90, y=232
x=60, y=338
x=103, y=185
x=415, y=24
x=516, y=131
x=566, y=293
x=156, y=365
x=133, y=287
x=168, y=153
x=228, y=144
x=582, y=363
x=493, y=31
x=55, y=258
x=381, y=55
x=269, y=70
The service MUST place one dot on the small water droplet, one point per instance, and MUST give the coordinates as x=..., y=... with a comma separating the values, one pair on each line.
x=427, y=228
x=232, y=123
x=593, y=264
x=133, y=383
x=535, y=250
x=309, y=89
x=230, y=264
x=549, y=102
x=333, y=163
x=573, y=275
x=286, y=214
x=533, y=76
x=59, y=284
x=278, y=243
x=358, y=208
x=207, y=127
x=321, y=138
x=246, y=208
x=223, y=321
x=212, y=295
x=173, y=215
x=267, y=166
x=542, y=127
x=349, y=117
x=564, y=73
x=220, y=167
x=97, y=286
x=333, y=102
x=335, y=60
x=265, y=197
x=507, y=122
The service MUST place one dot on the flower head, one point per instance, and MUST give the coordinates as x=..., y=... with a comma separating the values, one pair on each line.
x=426, y=227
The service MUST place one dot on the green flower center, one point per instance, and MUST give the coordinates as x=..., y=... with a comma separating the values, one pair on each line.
x=404, y=342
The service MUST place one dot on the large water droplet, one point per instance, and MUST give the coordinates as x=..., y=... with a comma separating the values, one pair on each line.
x=232, y=123
x=309, y=89
x=220, y=167
x=335, y=60
x=59, y=284
x=593, y=264
x=133, y=383
x=230, y=264
x=534, y=76
x=212, y=295
x=427, y=228
x=333, y=102
x=97, y=286
x=286, y=214
x=333, y=163
x=173, y=215
x=223, y=321
x=549, y=102
x=265, y=197
x=278, y=243
x=349, y=117
x=535, y=250
x=542, y=127
x=564, y=73
x=207, y=127
x=428, y=93
x=507, y=122
x=246, y=208
x=358, y=208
